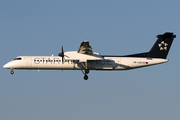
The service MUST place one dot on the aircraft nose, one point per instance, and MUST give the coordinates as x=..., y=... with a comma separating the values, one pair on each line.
x=7, y=65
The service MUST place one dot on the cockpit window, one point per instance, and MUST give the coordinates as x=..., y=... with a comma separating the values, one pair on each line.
x=17, y=59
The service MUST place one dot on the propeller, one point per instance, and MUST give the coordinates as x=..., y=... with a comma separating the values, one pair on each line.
x=61, y=54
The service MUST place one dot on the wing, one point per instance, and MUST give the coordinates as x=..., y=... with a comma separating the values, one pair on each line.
x=85, y=48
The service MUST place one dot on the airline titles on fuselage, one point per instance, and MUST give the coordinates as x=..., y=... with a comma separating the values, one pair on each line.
x=59, y=61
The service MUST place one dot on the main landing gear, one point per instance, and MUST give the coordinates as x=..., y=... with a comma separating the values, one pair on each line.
x=85, y=73
x=12, y=72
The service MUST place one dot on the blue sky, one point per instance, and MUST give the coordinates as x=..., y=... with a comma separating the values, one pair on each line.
x=40, y=27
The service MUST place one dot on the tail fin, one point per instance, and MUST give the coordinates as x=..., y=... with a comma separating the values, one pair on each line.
x=162, y=46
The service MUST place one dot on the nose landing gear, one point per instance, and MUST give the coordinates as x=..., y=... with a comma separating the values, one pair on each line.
x=12, y=72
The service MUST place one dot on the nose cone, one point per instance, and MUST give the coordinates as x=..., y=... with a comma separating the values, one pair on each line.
x=7, y=66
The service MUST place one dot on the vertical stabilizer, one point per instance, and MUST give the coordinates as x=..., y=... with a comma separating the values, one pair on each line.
x=162, y=46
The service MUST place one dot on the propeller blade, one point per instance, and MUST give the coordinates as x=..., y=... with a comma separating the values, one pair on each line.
x=62, y=49
x=62, y=53
x=62, y=59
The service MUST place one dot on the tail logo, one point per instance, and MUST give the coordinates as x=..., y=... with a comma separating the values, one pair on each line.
x=163, y=46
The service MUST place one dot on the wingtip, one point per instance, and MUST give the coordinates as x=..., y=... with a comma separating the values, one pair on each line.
x=85, y=41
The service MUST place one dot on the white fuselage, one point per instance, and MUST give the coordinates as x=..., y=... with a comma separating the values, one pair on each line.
x=56, y=63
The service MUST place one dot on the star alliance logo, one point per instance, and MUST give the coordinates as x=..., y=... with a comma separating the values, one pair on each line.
x=163, y=46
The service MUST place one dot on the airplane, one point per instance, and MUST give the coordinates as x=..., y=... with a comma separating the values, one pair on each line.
x=85, y=59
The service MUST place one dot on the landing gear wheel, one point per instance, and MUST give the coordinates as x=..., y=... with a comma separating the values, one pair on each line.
x=12, y=72
x=85, y=77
